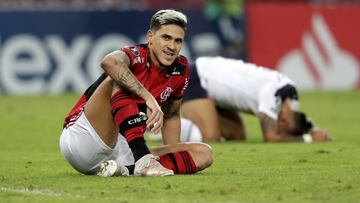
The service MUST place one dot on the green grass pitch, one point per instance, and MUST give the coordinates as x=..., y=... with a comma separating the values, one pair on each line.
x=33, y=170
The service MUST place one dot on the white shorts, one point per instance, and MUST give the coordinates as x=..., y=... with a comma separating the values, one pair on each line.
x=85, y=151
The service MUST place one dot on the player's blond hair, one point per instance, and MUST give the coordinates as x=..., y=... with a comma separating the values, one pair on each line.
x=167, y=17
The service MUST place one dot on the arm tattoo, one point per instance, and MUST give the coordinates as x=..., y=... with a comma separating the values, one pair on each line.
x=267, y=124
x=125, y=78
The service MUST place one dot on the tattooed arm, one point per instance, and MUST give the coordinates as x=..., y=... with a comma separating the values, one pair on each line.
x=270, y=131
x=116, y=65
x=171, y=128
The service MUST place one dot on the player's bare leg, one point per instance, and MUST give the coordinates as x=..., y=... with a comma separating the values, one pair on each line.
x=232, y=126
x=203, y=113
x=98, y=112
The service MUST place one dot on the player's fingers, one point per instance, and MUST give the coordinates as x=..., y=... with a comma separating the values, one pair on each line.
x=153, y=113
x=151, y=120
x=157, y=126
x=157, y=123
x=155, y=117
x=151, y=117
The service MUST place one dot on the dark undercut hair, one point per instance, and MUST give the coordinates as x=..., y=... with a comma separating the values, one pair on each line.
x=302, y=124
x=168, y=17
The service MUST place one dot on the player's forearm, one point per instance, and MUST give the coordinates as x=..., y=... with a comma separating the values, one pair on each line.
x=125, y=79
x=270, y=131
x=283, y=138
x=117, y=67
x=172, y=124
x=171, y=130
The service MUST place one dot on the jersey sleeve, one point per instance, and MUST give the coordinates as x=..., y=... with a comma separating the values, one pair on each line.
x=269, y=104
x=135, y=53
x=183, y=83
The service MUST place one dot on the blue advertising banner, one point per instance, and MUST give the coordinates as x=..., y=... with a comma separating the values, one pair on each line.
x=57, y=51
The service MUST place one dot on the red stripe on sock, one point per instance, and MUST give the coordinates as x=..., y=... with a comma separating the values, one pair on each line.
x=179, y=162
x=133, y=133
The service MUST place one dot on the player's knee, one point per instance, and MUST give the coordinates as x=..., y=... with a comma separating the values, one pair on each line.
x=207, y=154
x=203, y=155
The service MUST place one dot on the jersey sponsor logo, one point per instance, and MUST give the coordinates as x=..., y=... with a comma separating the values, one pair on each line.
x=319, y=49
x=320, y=61
x=166, y=94
x=176, y=70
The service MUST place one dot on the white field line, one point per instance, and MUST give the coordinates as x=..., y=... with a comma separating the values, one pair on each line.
x=31, y=191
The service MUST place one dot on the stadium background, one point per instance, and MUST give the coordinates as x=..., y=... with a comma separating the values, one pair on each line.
x=48, y=47
x=56, y=46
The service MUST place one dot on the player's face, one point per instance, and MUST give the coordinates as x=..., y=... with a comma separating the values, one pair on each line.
x=165, y=44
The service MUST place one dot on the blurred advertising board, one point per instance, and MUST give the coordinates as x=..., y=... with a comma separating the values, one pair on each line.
x=58, y=51
x=317, y=46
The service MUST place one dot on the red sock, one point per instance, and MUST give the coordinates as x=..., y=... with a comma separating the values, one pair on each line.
x=132, y=124
x=128, y=117
x=179, y=162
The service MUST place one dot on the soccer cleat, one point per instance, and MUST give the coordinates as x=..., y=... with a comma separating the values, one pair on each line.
x=149, y=166
x=111, y=168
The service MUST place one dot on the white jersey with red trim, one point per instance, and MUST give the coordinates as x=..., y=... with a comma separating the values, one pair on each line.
x=242, y=86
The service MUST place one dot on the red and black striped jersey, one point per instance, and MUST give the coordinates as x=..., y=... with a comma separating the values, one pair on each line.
x=169, y=83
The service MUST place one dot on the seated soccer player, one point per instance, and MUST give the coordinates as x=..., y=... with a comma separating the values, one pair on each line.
x=141, y=88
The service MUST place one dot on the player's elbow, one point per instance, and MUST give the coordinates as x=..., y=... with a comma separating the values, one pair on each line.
x=106, y=63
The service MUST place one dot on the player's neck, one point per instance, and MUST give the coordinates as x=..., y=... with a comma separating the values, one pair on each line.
x=159, y=68
x=157, y=64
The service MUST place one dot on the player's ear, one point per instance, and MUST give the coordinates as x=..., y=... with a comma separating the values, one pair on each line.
x=149, y=36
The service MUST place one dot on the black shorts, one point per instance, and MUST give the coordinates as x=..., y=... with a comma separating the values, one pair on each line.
x=194, y=89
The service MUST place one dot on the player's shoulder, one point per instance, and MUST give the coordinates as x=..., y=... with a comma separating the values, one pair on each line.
x=136, y=50
x=137, y=53
x=179, y=67
x=182, y=60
